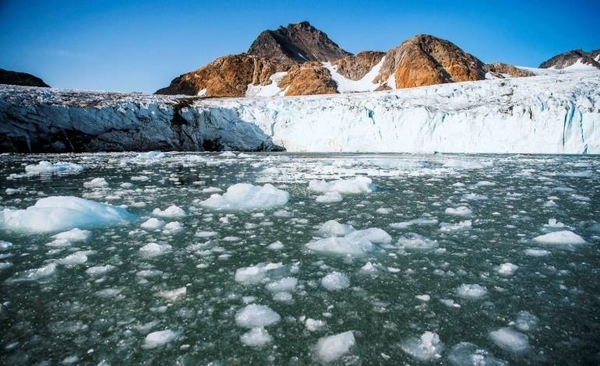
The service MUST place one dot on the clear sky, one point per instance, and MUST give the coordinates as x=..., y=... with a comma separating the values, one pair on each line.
x=140, y=45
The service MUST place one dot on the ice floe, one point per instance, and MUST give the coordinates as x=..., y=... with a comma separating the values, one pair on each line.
x=160, y=338
x=256, y=337
x=256, y=316
x=510, y=340
x=335, y=281
x=427, y=347
x=342, y=186
x=333, y=347
x=244, y=196
x=471, y=291
x=563, y=237
x=468, y=354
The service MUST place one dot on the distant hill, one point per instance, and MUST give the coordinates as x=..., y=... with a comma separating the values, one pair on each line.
x=573, y=58
x=20, y=78
x=301, y=60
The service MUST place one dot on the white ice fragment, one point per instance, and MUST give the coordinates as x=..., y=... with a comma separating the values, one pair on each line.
x=5, y=245
x=510, y=340
x=152, y=224
x=73, y=259
x=275, y=245
x=256, y=337
x=564, y=237
x=468, y=354
x=373, y=235
x=459, y=211
x=532, y=252
x=448, y=227
x=172, y=295
x=331, y=348
x=285, y=297
x=70, y=360
x=329, y=197
x=173, y=228
x=46, y=167
x=96, y=183
x=368, y=268
x=74, y=235
x=552, y=223
x=335, y=281
x=449, y=303
x=471, y=291
x=172, y=211
x=525, y=321
x=256, y=274
x=108, y=292
x=415, y=241
x=244, y=196
x=507, y=268
x=160, y=338
x=286, y=284
x=253, y=316
x=344, y=246
x=99, y=270
x=424, y=298
x=343, y=186
x=313, y=325
x=427, y=347
x=59, y=213
x=205, y=234
x=154, y=249
x=151, y=155
x=5, y=265
x=334, y=228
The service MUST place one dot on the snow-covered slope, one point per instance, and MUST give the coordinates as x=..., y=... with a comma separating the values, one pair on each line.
x=558, y=113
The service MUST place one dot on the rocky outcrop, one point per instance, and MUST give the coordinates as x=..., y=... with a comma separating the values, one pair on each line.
x=46, y=120
x=309, y=78
x=570, y=58
x=227, y=76
x=355, y=67
x=295, y=44
x=427, y=60
x=500, y=69
x=20, y=78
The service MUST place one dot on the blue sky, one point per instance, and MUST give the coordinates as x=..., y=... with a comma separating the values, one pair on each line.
x=140, y=45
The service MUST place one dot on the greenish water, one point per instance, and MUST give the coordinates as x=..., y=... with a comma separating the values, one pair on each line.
x=69, y=317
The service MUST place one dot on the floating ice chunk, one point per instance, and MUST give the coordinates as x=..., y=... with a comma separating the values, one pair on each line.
x=564, y=237
x=329, y=197
x=73, y=259
x=212, y=190
x=415, y=241
x=256, y=337
x=271, y=171
x=507, y=268
x=172, y=211
x=46, y=167
x=344, y=246
x=468, y=354
x=4, y=265
x=99, y=270
x=510, y=340
x=173, y=295
x=5, y=245
x=59, y=213
x=160, y=338
x=335, y=281
x=256, y=274
x=151, y=155
x=73, y=235
x=228, y=154
x=525, y=321
x=286, y=284
x=334, y=228
x=343, y=186
x=447, y=227
x=108, y=292
x=244, y=196
x=373, y=235
x=275, y=246
x=459, y=211
x=474, y=197
x=253, y=316
x=154, y=249
x=37, y=273
x=152, y=224
x=471, y=291
x=70, y=360
x=205, y=234
x=331, y=348
x=423, y=297
x=313, y=325
x=449, y=303
x=465, y=164
x=536, y=252
x=283, y=297
x=552, y=223
x=427, y=347
x=96, y=183
x=173, y=228
x=368, y=268
x=419, y=222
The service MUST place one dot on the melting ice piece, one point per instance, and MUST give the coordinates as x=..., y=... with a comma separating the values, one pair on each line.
x=256, y=337
x=507, y=268
x=564, y=237
x=256, y=274
x=160, y=338
x=173, y=295
x=46, y=167
x=59, y=213
x=468, y=354
x=74, y=235
x=96, y=183
x=99, y=270
x=532, y=252
x=333, y=347
x=286, y=284
x=425, y=348
x=244, y=196
x=344, y=186
x=374, y=235
x=153, y=224
x=36, y=273
x=459, y=211
x=256, y=316
x=335, y=281
x=510, y=340
x=448, y=227
x=334, y=228
x=345, y=246
x=313, y=325
x=154, y=249
x=416, y=242
x=170, y=212
x=525, y=321
x=329, y=197
x=74, y=259
x=471, y=291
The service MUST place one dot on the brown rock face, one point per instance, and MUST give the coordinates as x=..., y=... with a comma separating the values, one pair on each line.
x=308, y=79
x=355, y=67
x=20, y=78
x=227, y=76
x=297, y=43
x=500, y=69
x=427, y=60
x=569, y=58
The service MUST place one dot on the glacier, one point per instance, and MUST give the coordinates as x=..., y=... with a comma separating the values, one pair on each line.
x=552, y=113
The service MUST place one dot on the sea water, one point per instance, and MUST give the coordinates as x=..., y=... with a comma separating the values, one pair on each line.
x=295, y=259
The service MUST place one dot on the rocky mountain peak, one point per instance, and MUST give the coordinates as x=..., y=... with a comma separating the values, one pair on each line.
x=570, y=58
x=20, y=78
x=295, y=44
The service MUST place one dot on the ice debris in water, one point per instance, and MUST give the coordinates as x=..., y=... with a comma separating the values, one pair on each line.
x=256, y=274
x=329, y=197
x=170, y=212
x=152, y=224
x=286, y=284
x=564, y=237
x=313, y=325
x=335, y=281
x=331, y=348
x=552, y=223
x=99, y=270
x=256, y=337
x=510, y=340
x=468, y=354
x=244, y=196
x=459, y=211
x=172, y=295
x=354, y=243
x=154, y=249
x=74, y=235
x=256, y=316
x=471, y=291
x=46, y=167
x=449, y=227
x=525, y=321
x=58, y=213
x=73, y=259
x=427, y=347
x=415, y=241
x=35, y=273
x=334, y=228
x=160, y=338
x=343, y=186
x=96, y=183
x=507, y=268
x=532, y=252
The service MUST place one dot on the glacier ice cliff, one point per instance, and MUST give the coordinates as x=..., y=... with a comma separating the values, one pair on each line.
x=555, y=114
